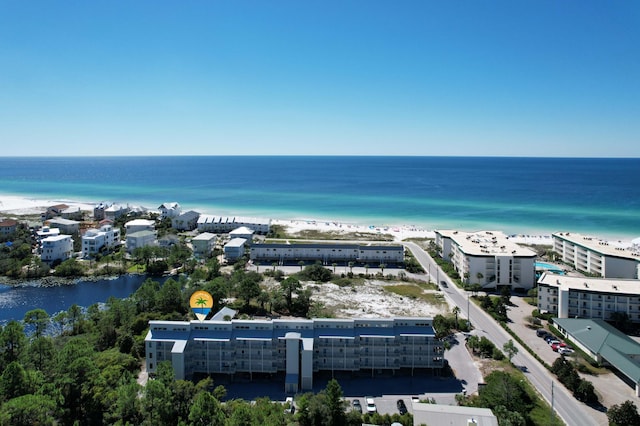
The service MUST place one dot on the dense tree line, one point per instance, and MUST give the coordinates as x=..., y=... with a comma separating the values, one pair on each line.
x=583, y=390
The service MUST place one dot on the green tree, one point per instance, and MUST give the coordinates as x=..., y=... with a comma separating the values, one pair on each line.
x=510, y=349
x=13, y=381
x=502, y=389
x=157, y=403
x=29, y=410
x=12, y=342
x=170, y=298
x=625, y=414
x=290, y=285
x=335, y=404
x=585, y=392
x=74, y=316
x=39, y=319
x=456, y=311
x=206, y=411
x=249, y=287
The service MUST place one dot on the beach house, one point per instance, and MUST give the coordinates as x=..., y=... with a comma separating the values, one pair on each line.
x=136, y=225
x=242, y=232
x=56, y=248
x=293, y=349
x=96, y=240
x=234, y=249
x=187, y=221
x=169, y=210
x=596, y=256
x=488, y=258
x=66, y=226
x=140, y=239
x=115, y=211
x=8, y=227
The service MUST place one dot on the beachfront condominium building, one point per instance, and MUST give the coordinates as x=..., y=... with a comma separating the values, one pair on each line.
x=224, y=224
x=328, y=253
x=488, y=258
x=596, y=298
x=597, y=257
x=56, y=248
x=297, y=348
x=242, y=232
x=115, y=211
x=96, y=240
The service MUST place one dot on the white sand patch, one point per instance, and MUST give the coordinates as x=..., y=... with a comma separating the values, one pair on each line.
x=11, y=204
x=370, y=300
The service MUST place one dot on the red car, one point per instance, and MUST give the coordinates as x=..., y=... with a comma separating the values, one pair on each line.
x=557, y=346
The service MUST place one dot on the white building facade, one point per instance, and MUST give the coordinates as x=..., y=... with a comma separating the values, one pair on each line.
x=54, y=248
x=592, y=298
x=596, y=256
x=488, y=258
x=234, y=249
x=95, y=240
x=139, y=225
x=169, y=210
x=140, y=239
x=203, y=244
x=187, y=221
x=328, y=253
x=225, y=224
x=298, y=348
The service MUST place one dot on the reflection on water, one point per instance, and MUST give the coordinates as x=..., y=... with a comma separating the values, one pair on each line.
x=16, y=301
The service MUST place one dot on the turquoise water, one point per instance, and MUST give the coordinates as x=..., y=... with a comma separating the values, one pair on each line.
x=549, y=267
x=515, y=195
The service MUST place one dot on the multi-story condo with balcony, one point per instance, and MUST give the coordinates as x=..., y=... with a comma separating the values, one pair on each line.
x=595, y=298
x=296, y=348
x=95, y=240
x=488, y=258
x=597, y=257
x=327, y=253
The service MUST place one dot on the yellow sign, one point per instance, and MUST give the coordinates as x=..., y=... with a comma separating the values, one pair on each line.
x=201, y=303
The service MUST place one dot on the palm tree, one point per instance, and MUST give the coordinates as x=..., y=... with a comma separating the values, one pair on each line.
x=351, y=267
x=456, y=311
x=382, y=266
x=202, y=302
x=334, y=264
x=366, y=268
x=301, y=264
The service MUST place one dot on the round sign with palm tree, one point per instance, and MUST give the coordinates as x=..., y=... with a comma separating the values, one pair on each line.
x=201, y=303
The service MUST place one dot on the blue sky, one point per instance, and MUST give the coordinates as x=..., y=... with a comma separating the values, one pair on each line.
x=521, y=78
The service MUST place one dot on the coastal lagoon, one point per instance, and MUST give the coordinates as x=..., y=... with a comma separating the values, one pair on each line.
x=598, y=196
x=15, y=301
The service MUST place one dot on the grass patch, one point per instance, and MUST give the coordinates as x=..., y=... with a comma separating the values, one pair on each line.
x=415, y=292
x=426, y=285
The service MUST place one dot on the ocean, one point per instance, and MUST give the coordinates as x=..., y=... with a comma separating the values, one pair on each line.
x=599, y=196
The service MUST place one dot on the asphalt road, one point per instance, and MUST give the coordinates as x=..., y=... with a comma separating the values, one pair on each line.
x=571, y=411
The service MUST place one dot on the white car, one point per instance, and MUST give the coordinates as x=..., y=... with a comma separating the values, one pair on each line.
x=565, y=351
x=371, y=405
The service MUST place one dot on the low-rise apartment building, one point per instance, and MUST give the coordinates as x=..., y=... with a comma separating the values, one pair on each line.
x=296, y=347
x=328, y=253
x=234, y=249
x=225, y=224
x=8, y=227
x=56, y=248
x=597, y=257
x=595, y=298
x=136, y=225
x=488, y=258
x=95, y=240
x=203, y=244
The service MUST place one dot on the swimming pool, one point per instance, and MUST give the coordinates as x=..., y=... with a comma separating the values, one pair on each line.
x=549, y=267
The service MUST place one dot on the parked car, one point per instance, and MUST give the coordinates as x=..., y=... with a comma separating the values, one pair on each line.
x=541, y=332
x=565, y=351
x=371, y=405
x=355, y=405
x=548, y=337
x=557, y=346
x=402, y=408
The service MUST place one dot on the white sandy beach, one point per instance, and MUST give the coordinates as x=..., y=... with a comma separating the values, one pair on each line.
x=13, y=205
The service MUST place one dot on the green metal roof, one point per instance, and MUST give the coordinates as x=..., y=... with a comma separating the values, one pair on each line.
x=611, y=344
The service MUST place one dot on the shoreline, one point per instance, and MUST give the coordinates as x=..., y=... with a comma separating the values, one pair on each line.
x=19, y=205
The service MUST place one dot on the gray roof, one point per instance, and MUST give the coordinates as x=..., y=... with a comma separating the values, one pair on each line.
x=611, y=344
